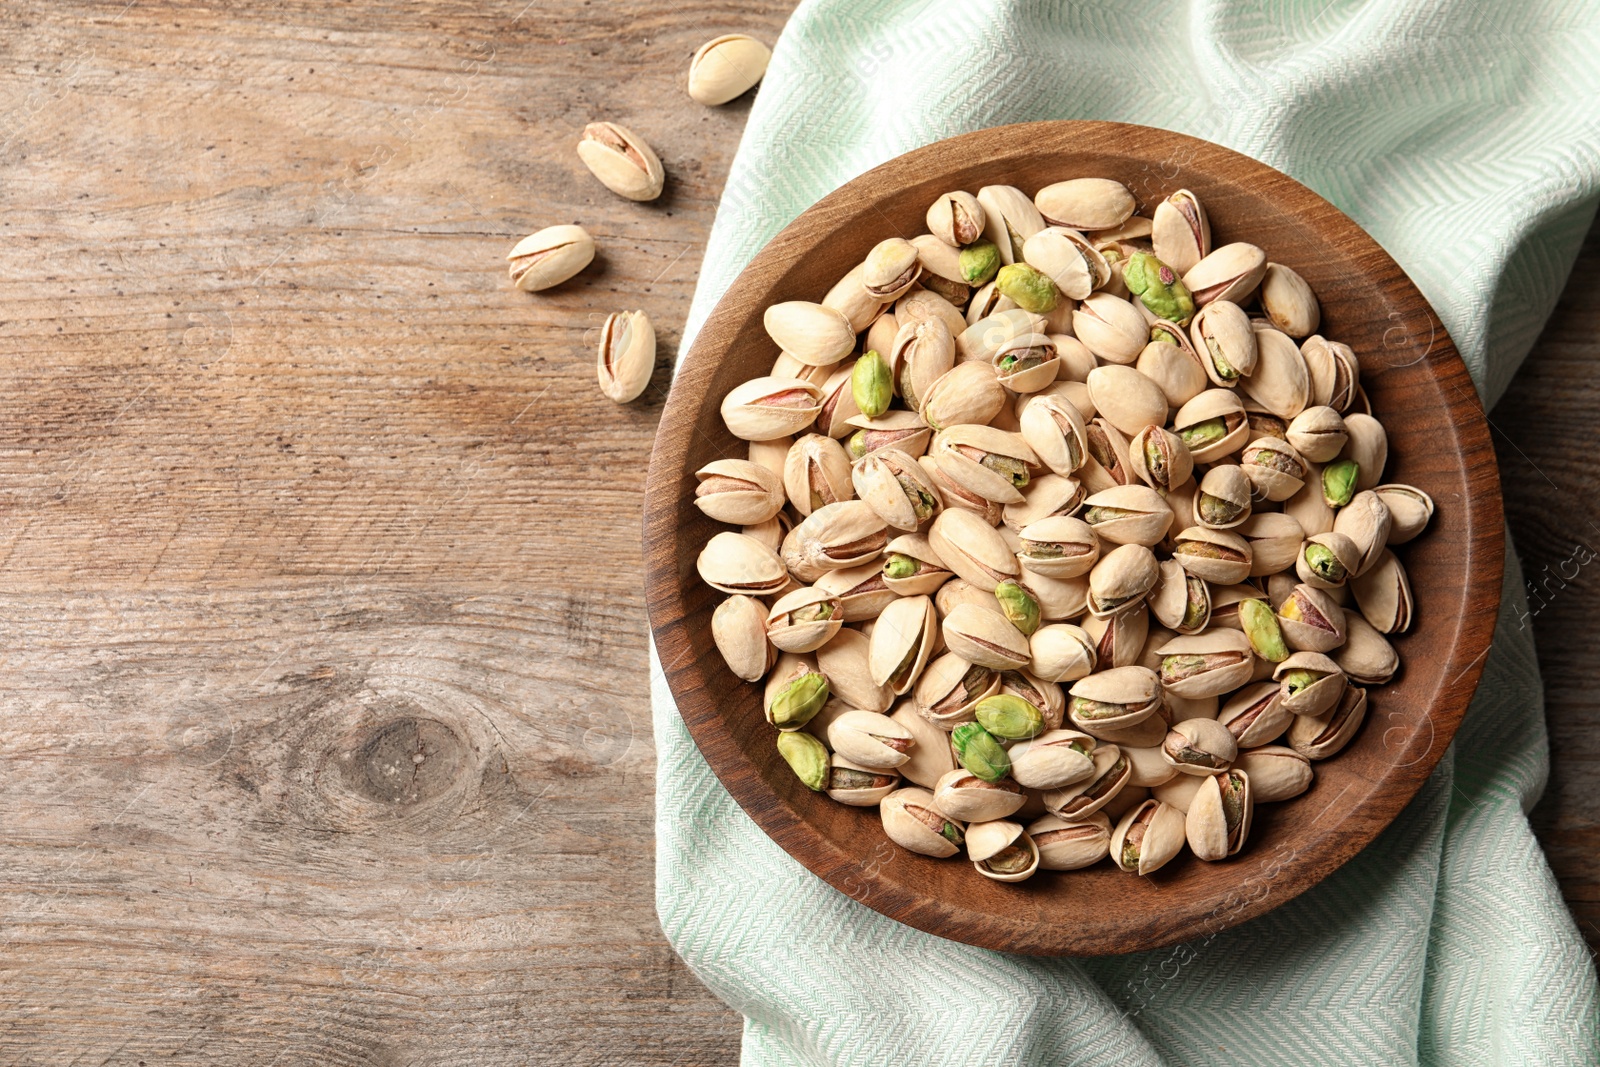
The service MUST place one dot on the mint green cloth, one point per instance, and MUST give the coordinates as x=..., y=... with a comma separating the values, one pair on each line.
x=1460, y=134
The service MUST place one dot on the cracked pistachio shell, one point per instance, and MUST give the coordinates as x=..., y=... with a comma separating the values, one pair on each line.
x=904, y=430
x=986, y=638
x=815, y=335
x=1054, y=428
x=1148, y=768
x=1058, y=547
x=804, y=620
x=1311, y=683
x=1281, y=383
x=1026, y=364
x=1002, y=851
x=1070, y=846
x=921, y=305
x=739, y=492
x=930, y=756
x=627, y=355
x=1335, y=373
x=1010, y=218
x=1199, y=746
x=911, y=567
x=1224, y=499
x=1086, y=203
x=1276, y=772
x=901, y=643
x=950, y=688
x=1409, y=510
x=1147, y=837
x=965, y=796
x=870, y=740
x=1082, y=798
x=1068, y=259
x=995, y=464
x=1180, y=232
x=1159, y=458
x=987, y=301
x=857, y=785
x=1276, y=471
x=1180, y=601
x=1366, y=522
x=1218, y=821
x=1179, y=790
x=806, y=756
x=549, y=257
x=736, y=563
x=1212, y=425
x=1384, y=595
x=834, y=536
x=960, y=591
x=1231, y=272
x=1059, y=598
x=795, y=691
x=1289, y=302
x=891, y=268
x=1225, y=342
x=1311, y=620
x=1128, y=515
x=1218, y=556
x=1274, y=539
x=956, y=218
x=1319, y=738
x=939, y=261
x=923, y=351
x=1327, y=560
x=959, y=498
x=1045, y=696
x=983, y=339
x=844, y=660
x=739, y=628
x=1206, y=664
x=764, y=408
x=622, y=161
x=1121, y=579
x=1061, y=652
x=1308, y=507
x=896, y=487
x=1126, y=399
x=972, y=548
x=786, y=366
x=1046, y=497
x=862, y=590
x=1114, y=699
x=968, y=393
x=726, y=67
x=1255, y=715
x=1318, y=433
x=912, y=819
x=1175, y=369
x=1366, y=655
x=1368, y=445
x=839, y=395
x=850, y=298
x=1111, y=328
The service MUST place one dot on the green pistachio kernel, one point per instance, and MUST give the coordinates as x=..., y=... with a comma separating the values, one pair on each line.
x=870, y=384
x=978, y=262
x=1324, y=564
x=1030, y=289
x=1158, y=288
x=1261, y=627
x=1008, y=716
x=806, y=756
x=1298, y=680
x=1225, y=370
x=979, y=752
x=1204, y=433
x=1018, y=605
x=798, y=701
x=899, y=566
x=1339, y=482
x=1013, y=859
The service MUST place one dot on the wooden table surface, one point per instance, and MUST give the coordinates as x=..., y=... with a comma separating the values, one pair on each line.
x=327, y=737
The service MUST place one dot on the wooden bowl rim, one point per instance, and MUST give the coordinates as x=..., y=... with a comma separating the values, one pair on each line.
x=1325, y=852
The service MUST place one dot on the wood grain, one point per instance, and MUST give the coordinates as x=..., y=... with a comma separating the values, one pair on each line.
x=1440, y=444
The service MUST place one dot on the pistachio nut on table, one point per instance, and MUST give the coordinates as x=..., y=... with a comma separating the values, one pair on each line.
x=1061, y=534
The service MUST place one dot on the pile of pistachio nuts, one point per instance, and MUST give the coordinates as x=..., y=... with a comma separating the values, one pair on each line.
x=1061, y=534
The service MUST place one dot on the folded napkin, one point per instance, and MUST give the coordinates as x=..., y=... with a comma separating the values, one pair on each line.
x=1461, y=135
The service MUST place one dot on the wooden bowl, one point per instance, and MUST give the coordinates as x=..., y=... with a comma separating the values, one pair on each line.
x=1438, y=440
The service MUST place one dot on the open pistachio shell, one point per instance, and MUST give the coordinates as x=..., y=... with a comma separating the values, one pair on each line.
x=1206, y=664
x=930, y=757
x=1231, y=272
x=622, y=160
x=922, y=352
x=1212, y=425
x=1111, y=328
x=992, y=463
x=1366, y=522
x=836, y=536
x=1180, y=601
x=1180, y=232
x=735, y=563
x=1002, y=851
x=902, y=642
x=1054, y=428
x=1082, y=798
x=804, y=620
x=1276, y=471
x=985, y=638
x=951, y=688
x=816, y=473
x=1255, y=715
x=1053, y=760
x=1384, y=595
x=1311, y=620
x=551, y=256
x=911, y=567
x=1115, y=698
x=1070, y=846
x=1218, y=556
x=1280, y=382
x=870, y=739
x=1046, y=497
x=1061, y=653
x=862, y=590
x=764, y=408
x=1327, y=735
x=1121, y=579
x=795, y=691
x=1128, y=514
x=895, y=486
x=737, y=491
x=1218, y=820
x=858, y=785
x=1174, y=368
x=1160, y=459
x=965, y=796
x=1010, y=218
x=1058, y=546
x=956, y=218
x=1026, y=364
x=912, y=819
x=1328, y=560
x=1409, y=510
x=1311, y=683
x=1199, y=746
x=1147, y=837
x=1068, y=259
x=972, y=549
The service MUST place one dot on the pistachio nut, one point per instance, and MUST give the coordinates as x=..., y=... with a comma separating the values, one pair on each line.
x=1009, y=219
x=882, y=329
x=1311, y=683
x=622, y=161
x=764, y=408
x=1026, y=364
x=891, y=268
x=1384, y=595
x=1054, y=428
x=862, y=590
x=1158, y=288
x=1180, y=232
x=911, y=567
x=1365, y=521
x=1009, y=717
x=901, y=643
x=1181, y=601
x=795, y=691
x=1147, y=837
x=1274, y=539
x=896, y=487
x=1086, y=203
x=1276, y=773
x=1083, y=797
x=1327, y=560
x=904, y=430
x=806, y=756
x=1175, y=369
x=1207, y=664
x=1368, y=445
x=985, y=637
x=1212, y=425
x=549, y=257
x=972, y=548
x=726, y=67
x=1327, y=735
x=815, y=335
x=931, y=756
x=1307, y=507
x=1311, y=620
x=923, y=351
x=1224, y=499
x=1335, y=374
x=1030, y=289
x=849, y=297
x=1199, y=746
x=1002, y=851
x=912, y=820
x=737, y=491
x=857, y=785
x=1044, y=695
x=1218, y=821
x=1289, y=301
x=1059, y=598
x=1068, y=259
x=988, y=300
x=1128, y=515
x=838, y=400
x=1111, y=328
x=871, y=384
x=922, y=304
x=1050, y=496
x=1409, y=510
x=739, y=628
x=1126, y=399
x=979, y=752
x=1218, y=556
x=627, y=355
x=1114, y=699
x=1255, y=715
x=1070, y=846
x=1058, y=547
x=1159, y=458
x=1149, y=769
x=870, y=740
x=1276, y=471
x=804, y=620
x=1366, y=655
x=1121, y=579
x=1317, y=433
x=736, y=563
x=959, y=498
x=835, y=536
x=1018, y=605
x=969, y=393
x=1231, y=272
x=1061, y=652
x=950, y=688
x=956, y=218
x=992, y=463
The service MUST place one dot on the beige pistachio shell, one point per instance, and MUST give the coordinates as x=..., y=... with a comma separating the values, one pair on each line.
x=1316, y=698
x=1214, y=828
x=904, y=430
x=1199, y=746
x=896, y=487
x=1218, y=556
x=1147, y=838
x=1114, y=699
x=1335, y=374
x=1010, y=218
x=930, y=572
x=981, y=340
x=1366, y=522
x=957, y=497
x=1126, y=399
x=844, y=660
x=1225, y=342
x=1159, y=458
x=627, y=355
x=967, y=393
x=1307, y=507
x=965, y=796
x=1053, y=760
x=931, y=757
x=1180, y=232
x=1128, y=514
x=815, y=335
x=835, y=536
x=1068, y=259
x=1344, y=551
x=981, y=459
x=912, y=819
x=924, y=304
x=1002, y=851
x=1061, y=652
x=891, y=268
x=861, y=589
x=1086, y=203
x=838, y=401
x=1280, y=383
x=726, y=67
x=1368, y=445
x=1205, y=410
x=1276, y=471
x=1231, y=272
x=972, y=549
x=1070, y=846
x=1046, y=497
x=1054, y=428
x=1175, y=370
x=549, y=257
x=1149, y=768
x=739, y=628
x=1409, y=510
x=1225, y=498
x=902, y=642
x=922, y=352
x=870, y=740
x=1384, y=595
x=1111, y=327
x=1206, y=664
x=1180, y=791
x=1274, y=538
x=987, y=300
x=1318, y=433
x=1058, y=547
x=850, y=298
x=1121, y=579
x=1276, y=773
x=1180, y=601
x=1366, y=655
x=765, y=408
x=857, y=785
x=735, y=563
x=737, y=491
x=622, y=160
x=985, y=638
x=950, y=688
x=1255, y=715
x=1289, y=302
x=956, y=218
x=1108, y=463
x=1311, y=620
x=1026, y=364
x=1319, y=738
x=804, y=620
x=1082, y=798
x=816, y=473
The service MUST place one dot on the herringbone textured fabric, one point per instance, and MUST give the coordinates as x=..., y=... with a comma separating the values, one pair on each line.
x=1461, y=134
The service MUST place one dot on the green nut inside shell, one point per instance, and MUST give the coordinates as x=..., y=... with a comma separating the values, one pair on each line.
x=1030, y=289
x=1325, y=564
x=1201, y=434
x=807, y=757
x=871, y=384
x=1260, y=625
x=1008, y=716
x=1157, y=286
x=1018, y=605
x=899, y=566
x=979, y=752
x=1339, y=482
x=798, y=701
x=978, y=262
